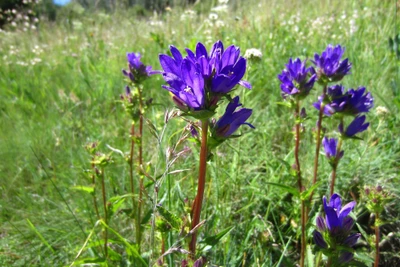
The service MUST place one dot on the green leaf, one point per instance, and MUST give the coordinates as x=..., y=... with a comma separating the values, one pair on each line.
x=130, y=249
x=89, y=260
x=286, y=104
x=306, y=193
x=213, y=240
x=40, y=235
x=364, y=258
x=88, y=189
x=172, y=219
x=287, y=188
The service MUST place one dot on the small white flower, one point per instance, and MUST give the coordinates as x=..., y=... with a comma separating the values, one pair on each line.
x=253, y=53
x=213, y=16
x=219, y=23
x=382, y=111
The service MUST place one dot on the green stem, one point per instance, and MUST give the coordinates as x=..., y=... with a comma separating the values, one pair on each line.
x=103, y=187
x=96, y=208
x=200, y=186
x=335, y=164
x=376, y=263
x=131, y=167
x=141, y=187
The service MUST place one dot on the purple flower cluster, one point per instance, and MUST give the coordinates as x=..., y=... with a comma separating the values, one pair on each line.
x=199, y=81
x=330, y=68
x=352, y=102
x=137, y=70
x=333, y=231
x=296, y=79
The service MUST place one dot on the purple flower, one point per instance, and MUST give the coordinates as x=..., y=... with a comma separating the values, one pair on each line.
x=319, y=240
x=200, y=73
x=357, y=102
x=232, y=119
x=137, y=70
x=185, y=82
x=335, y=214
x=352, y=102
x=295, y=79
x=330, y=147
x=330, y=68
x=335, y=230
x=221, y=69
x=358, y=125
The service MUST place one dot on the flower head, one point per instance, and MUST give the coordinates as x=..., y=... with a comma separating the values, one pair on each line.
x=358, y=125
x=330, y=147
x=232, y=119
x=137, y=70
x=333, y=231
x=352, y=102
x=222, y=69
x=198, y=80
x=296, y=79
x=329, y=66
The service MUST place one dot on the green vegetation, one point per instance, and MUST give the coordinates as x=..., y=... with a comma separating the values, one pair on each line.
x=60, y=87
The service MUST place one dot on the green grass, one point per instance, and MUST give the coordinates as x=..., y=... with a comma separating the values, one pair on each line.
x=51, y=109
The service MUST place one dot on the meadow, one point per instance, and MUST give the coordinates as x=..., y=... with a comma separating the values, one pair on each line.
x=60, y=87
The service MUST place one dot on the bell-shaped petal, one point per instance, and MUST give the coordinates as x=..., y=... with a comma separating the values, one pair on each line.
x=319, y=239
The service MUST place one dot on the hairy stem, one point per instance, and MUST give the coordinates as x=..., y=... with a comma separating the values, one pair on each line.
x=318, y=140
x=297, y=146
x=299, y=182
x=103, y=188
x=196, y=209
x=376, y=263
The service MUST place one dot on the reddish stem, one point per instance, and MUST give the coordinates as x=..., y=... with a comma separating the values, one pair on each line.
x=318, y=139
x=140, y=160
x=200, y=187
x=376, y=263
x=299, y=182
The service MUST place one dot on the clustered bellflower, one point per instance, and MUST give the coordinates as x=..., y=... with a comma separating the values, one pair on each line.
x=199, y=80
x=330, y=67
x=330, y=147
x=358, y=125
x=232, y=119
x=137, y=70
x=296, y=79
x=351, y=102
x=333, y=231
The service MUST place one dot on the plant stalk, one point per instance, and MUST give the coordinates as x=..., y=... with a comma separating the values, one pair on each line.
x=334, y=168
x=140, y=160
x=299, y=182
x=137, y=224
x=196, y=210
x=376, y=263
x=318, y=140
x=94, y=191
x=103, y=187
